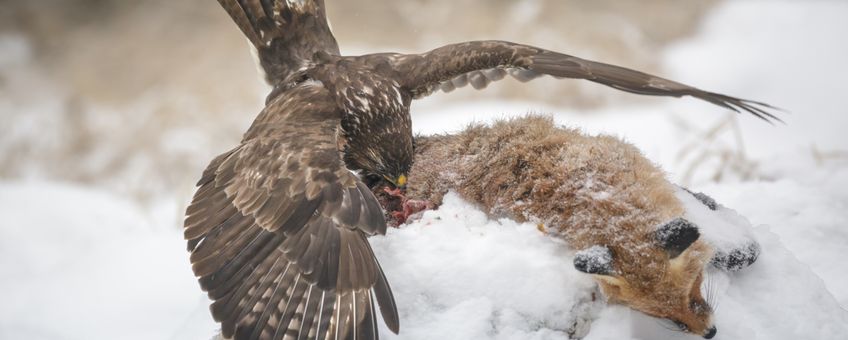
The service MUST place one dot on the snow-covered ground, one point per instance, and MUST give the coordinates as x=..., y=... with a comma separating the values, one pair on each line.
x=83, y=263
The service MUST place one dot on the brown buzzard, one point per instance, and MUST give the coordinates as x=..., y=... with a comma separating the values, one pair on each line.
x=277, y=228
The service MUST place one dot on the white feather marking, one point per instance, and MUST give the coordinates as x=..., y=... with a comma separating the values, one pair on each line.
x=338, y=314
x=320, y=313
x=373, y=313
x=295, y=3
x=353, y=300
x=303, y=314
x=312, y=82
x=275, y=292
x=254, y=53
x=364, y=104
x=399, y=96
x=293, y=289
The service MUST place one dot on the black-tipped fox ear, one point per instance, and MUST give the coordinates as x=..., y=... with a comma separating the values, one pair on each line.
x=738, y=258
x=704, y=198
x=594, y=260
x=676, y=236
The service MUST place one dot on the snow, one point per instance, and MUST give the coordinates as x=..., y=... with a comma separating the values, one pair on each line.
x=808, y=216
x=438, y=265
x=724, y=231
x=83, y=263
x=93, y=265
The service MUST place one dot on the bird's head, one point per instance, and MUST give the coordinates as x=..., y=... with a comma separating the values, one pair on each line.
x=382, y=153
x=390, y=169
x=376, y=127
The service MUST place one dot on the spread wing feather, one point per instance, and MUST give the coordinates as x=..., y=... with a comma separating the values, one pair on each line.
x=478, y=63
x=285, y=33
x=277, y=231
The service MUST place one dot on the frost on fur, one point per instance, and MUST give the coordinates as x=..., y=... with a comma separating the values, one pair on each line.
x=597, y=193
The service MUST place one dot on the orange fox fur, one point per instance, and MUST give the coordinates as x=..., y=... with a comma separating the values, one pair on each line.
x=587, y=190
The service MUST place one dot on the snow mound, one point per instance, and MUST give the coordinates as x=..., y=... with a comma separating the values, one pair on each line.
x=458, y=275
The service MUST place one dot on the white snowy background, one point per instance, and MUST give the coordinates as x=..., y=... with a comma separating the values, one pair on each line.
x=86, y=262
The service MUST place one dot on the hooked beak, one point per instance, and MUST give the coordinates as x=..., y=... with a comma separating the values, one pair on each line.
x=399, y=182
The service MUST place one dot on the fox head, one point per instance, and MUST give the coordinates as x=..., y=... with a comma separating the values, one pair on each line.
x=661, y=278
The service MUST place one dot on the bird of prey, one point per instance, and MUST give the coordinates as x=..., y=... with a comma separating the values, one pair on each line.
x=277, y=228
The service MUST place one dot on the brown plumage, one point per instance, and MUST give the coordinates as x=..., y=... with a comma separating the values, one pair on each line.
x=479, y=63
x=278, y=226
x=286, y=34
x=278, y=230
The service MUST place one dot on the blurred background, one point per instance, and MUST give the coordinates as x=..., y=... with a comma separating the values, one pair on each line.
x=137, y=96
x=117, y=106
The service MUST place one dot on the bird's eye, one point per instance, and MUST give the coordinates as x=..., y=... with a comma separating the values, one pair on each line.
x=372, y=181
x=301, y=78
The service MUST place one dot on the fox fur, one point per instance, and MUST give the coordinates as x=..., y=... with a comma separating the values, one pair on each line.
x=595, y=192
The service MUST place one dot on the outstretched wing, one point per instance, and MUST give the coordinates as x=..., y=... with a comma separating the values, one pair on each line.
x=277, y=231
x=480, y=62
x=285, y=33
